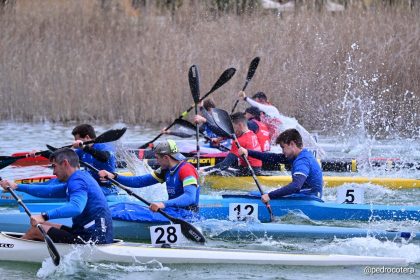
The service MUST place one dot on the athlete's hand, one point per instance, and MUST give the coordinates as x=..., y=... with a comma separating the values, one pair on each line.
x=36, y=219
x=104, y=175
x=6, y=183
x=265, y=198
x=199, y=119
x=242, y=151
x=77, y=144
x=155, y=206
x=242, y=94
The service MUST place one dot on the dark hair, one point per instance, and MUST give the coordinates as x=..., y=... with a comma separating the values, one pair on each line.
x=260, y=95
x=290, y=135
x=208, y=104
x=238, y=117
x=65, y=154
x=254, y=111
x=83, y=130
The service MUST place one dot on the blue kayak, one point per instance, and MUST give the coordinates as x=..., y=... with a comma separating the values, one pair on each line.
x=217, y=207
x=6, y=199
x=226, y=230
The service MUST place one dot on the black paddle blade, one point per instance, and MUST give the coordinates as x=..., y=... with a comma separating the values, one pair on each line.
x=183, y=127
x=252, y=67
x=55, y=256
x=225, y=77
x=51, y=148
x=222, y=120
x=193, y=79
x=110, y=135
x=189, y=231
x=6, y=161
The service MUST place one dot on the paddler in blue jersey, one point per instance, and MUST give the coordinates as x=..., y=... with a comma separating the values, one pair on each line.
x=99, y=155
x=181, y=184
x=306, y=172
x=86, y=204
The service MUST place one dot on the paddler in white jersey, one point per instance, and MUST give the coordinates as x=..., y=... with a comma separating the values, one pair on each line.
x=278, y=123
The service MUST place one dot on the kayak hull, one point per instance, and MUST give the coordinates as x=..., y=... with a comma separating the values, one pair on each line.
x=217, y=207
x=247, y=182
x=15, y=249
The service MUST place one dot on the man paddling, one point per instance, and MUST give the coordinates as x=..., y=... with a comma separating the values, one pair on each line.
x=278, y=123
x=87, y=205
x=99, y=155
x=246, y=139
x=306, y=171
x=181, y=181
x=259, y=128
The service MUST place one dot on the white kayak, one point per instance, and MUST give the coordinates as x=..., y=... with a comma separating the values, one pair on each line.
x=12, y=248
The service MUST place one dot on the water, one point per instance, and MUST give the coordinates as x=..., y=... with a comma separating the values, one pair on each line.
x=26, y=137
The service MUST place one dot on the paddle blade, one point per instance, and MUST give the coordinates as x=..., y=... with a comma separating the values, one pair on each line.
x=252, y=67
x=6, y=161
x=222, y=119
x=193, y=78
x=225, y=77
x=189, y=231
x=184, y=127
x=55, y=256
x=110, y=135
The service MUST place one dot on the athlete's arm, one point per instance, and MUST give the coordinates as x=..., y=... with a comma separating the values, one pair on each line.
x=294, y=187
x=57, y=190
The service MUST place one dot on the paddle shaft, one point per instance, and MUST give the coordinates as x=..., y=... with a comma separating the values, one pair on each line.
x=188, y=229
x=50, y=244
x=267, y=204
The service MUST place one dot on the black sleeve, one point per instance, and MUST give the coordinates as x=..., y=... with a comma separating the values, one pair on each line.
x=268, y=157
x=230, y=161
x=253, y=126
x=102, y=156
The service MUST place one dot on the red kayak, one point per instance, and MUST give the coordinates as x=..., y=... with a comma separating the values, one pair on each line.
x=37, y=160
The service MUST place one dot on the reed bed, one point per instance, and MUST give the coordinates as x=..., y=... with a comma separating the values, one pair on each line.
x=78, y=61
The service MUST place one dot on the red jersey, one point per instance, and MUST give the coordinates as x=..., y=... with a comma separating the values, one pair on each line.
x=249, y=141
x=263, y=135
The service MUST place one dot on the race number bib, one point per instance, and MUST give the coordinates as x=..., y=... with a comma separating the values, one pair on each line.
x=166, y=234
x=243, y=211
x=350, y=195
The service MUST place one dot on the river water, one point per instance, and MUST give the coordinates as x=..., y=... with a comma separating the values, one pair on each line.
x=17, y=137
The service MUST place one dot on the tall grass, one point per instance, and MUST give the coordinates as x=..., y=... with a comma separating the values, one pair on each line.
x=76, y=61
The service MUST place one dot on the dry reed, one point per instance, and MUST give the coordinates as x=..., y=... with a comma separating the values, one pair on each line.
x=75, y=61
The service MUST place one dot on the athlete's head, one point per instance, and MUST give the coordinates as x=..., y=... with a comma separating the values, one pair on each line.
x=209, y=104
x=64, y=162
x=83, y=130
x=260, y=97
x=239, y=123
x=291, y=142
x=253, y=113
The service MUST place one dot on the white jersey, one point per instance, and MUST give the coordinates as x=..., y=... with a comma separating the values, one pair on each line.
x=282, y=123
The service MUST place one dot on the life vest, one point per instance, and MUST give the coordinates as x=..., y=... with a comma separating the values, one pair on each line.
x=249, y=141
x=263, y=135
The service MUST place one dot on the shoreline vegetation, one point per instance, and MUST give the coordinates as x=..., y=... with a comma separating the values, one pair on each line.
x=355, y=68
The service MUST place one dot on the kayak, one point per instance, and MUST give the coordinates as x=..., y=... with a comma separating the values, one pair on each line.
x=13, y=248
x=274, y=181
x=228, y=230
x=217, y=207
x=327, y=165
x=211, y=156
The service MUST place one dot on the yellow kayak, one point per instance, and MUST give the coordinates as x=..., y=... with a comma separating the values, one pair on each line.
x=247, y=183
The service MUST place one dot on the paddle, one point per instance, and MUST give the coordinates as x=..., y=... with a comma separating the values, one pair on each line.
x=187, y=129
x=222, y=120
x=187, y=229
x=108, y=136
x=55, y=256
x=225, y=77
x=251, y=71
x=194, y=81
